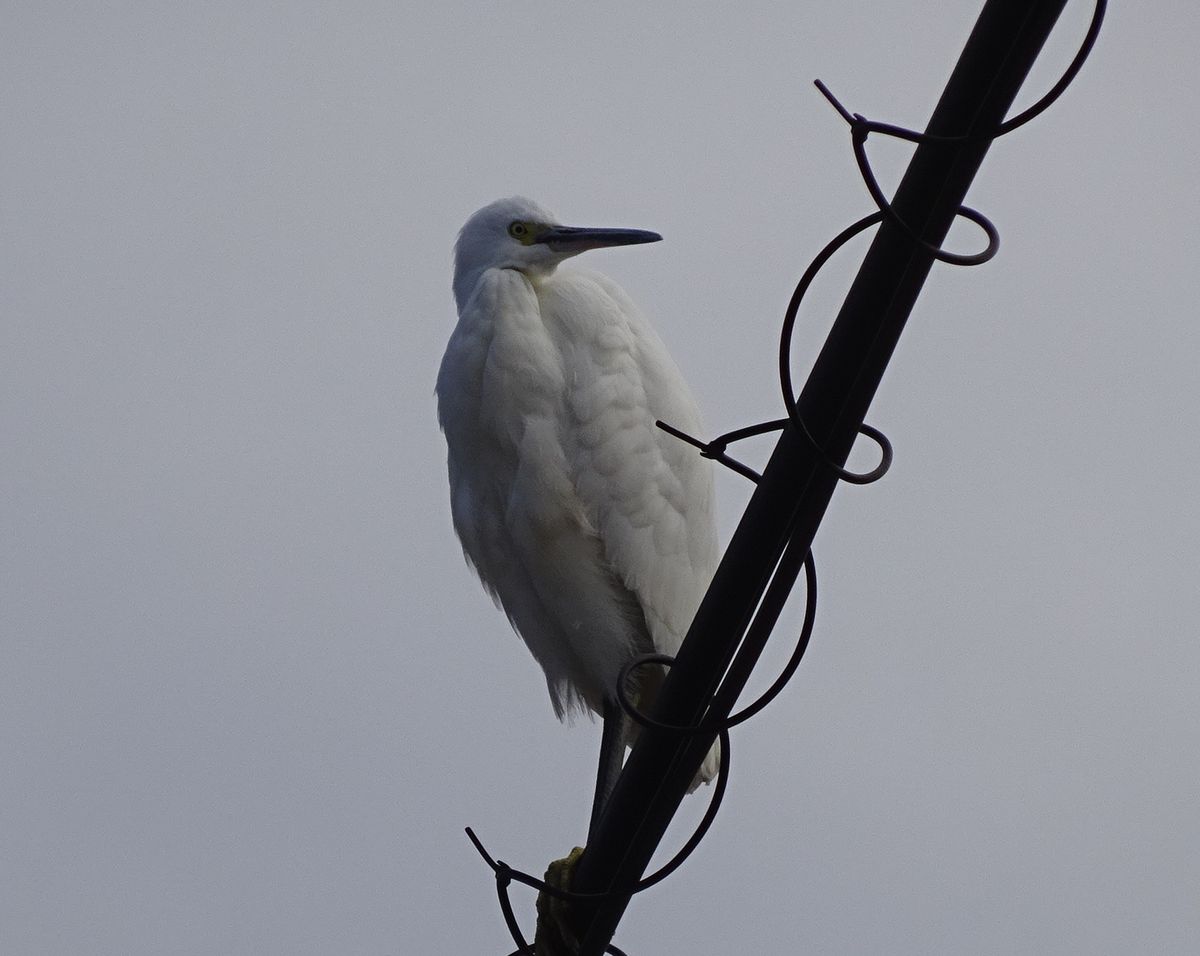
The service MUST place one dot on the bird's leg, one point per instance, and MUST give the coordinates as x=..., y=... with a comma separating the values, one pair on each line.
x=612, y=755
x=555, y=927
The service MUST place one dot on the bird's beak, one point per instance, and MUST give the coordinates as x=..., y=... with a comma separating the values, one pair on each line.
x=573, y=239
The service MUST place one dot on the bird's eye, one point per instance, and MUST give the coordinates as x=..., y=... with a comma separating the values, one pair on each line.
x=518, y=230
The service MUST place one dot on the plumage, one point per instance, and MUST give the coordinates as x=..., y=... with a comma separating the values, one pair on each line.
x=590, y=527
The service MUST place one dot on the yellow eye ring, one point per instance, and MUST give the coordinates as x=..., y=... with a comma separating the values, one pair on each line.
x=518, y=230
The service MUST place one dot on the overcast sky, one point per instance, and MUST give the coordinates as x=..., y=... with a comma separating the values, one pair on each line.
x=250, y=693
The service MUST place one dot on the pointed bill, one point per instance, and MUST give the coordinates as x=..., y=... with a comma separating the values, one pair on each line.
x=579, y=238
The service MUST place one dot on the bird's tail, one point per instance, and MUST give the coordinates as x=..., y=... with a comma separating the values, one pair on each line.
x=708, y=770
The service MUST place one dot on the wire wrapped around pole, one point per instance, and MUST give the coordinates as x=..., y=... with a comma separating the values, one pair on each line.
x=798, y=444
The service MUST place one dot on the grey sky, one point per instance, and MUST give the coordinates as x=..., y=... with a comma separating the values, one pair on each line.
x=251, y=693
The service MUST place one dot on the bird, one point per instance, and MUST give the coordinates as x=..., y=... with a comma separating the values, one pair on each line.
x=589, y=526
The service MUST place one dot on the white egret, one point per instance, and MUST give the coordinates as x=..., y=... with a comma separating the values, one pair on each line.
x=589, y=526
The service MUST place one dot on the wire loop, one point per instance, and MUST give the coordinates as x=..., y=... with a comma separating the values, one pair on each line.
x=785, y=362
x=861, y=128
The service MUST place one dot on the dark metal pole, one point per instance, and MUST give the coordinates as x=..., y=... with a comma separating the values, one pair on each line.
x=796, y=486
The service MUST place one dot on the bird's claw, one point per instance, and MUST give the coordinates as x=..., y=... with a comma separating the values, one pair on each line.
x=554, y=935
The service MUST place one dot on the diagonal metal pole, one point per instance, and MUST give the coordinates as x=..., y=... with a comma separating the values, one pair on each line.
x=796, y=486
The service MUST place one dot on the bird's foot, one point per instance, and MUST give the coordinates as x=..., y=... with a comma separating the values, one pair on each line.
x=554, y=935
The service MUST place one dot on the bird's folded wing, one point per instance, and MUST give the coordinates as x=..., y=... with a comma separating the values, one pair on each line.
x=648, y=494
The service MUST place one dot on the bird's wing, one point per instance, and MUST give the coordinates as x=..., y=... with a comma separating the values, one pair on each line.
x=648, y=494
x=657, y=519
x=501, y=402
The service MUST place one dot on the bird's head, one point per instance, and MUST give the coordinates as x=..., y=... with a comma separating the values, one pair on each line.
x=519, y=234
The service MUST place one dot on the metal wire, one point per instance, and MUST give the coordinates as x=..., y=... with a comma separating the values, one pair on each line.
x=781, y=581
